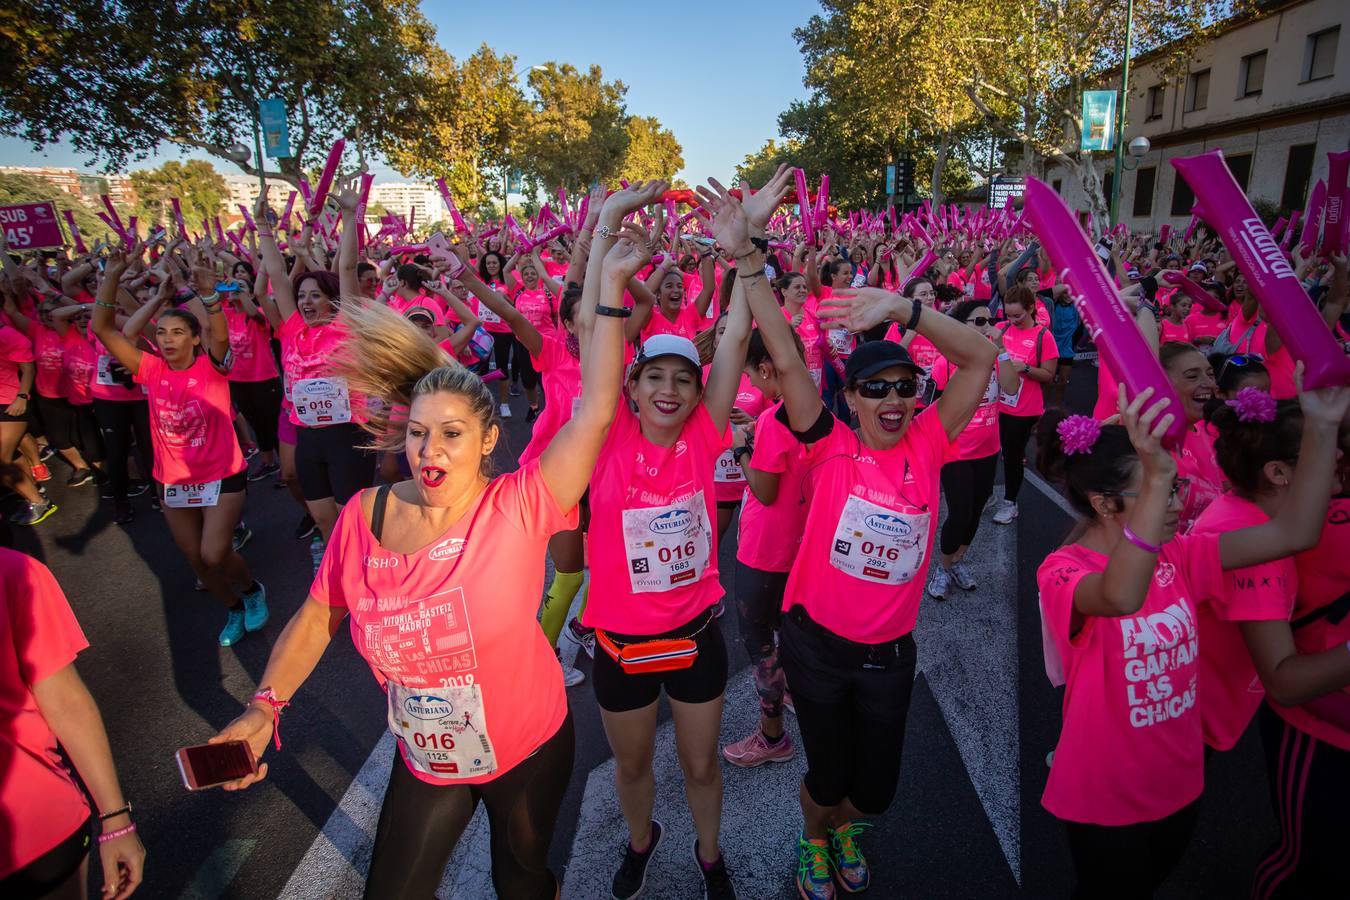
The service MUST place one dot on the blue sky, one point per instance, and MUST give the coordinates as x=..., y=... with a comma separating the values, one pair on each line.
x=716, y=76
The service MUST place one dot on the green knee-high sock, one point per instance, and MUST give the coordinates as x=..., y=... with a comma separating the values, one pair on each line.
x=557, y=602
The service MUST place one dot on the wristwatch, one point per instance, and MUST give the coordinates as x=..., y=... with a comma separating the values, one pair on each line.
x=741, y=451
x=22, y=395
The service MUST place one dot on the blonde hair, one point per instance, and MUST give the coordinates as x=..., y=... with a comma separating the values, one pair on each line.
x=389, y=358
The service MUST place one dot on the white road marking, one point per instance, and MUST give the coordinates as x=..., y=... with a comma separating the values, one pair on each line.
x=1051, y=494
x=219, y=870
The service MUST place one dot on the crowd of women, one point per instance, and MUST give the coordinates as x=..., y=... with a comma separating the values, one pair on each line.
x=829, y=390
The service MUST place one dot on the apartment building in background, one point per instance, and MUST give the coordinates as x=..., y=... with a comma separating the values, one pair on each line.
x=1272, y=91
x=405, y=198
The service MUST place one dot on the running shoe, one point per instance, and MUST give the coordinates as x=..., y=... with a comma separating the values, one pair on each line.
x=939, y=583
x=531, y=414
x=632, y=875
x=572, y=676
x=716, y=878
x=850, y=867
x=255, y=608
x=813, y=870
x=242, y=535
x=1006, y=512
x=233, y=632
x=123, y=514
x=46, y=452
x=80, y=477
x=964, y=577
x=306, y=528
x=41, y=472
x=264, y=471
x=755, y=750
x=250, y=451
x=137, y=488
x=504, y=411
x=720, y=609
x=35, y=514
x=581, y=635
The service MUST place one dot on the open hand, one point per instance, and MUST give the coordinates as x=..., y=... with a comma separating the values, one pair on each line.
x=859, y=309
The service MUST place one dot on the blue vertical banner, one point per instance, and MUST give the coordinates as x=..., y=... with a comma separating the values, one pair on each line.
x=1099, y=120
x=276, y=134
x=890, y=180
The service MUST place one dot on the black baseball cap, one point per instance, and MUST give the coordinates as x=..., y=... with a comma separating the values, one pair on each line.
x=872, y=357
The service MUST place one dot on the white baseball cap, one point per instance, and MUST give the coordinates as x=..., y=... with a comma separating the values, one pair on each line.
x=669, y=345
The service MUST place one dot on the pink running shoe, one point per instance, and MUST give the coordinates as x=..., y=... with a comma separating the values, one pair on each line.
x=754, y=750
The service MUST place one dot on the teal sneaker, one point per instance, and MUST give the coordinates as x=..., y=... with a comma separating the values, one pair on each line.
x=233, y=632
x=255, y=608
x=849, y=864
x=813, y=870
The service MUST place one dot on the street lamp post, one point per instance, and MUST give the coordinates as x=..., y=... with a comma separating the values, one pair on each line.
x=1120, y=114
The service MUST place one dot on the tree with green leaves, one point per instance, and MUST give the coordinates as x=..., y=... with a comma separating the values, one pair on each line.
x=653, y=151
x=117, y=79
x=577, y=132
x=200, y=190
x=21, y=188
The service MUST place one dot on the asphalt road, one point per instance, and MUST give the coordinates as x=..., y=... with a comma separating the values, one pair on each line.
x=967, y=821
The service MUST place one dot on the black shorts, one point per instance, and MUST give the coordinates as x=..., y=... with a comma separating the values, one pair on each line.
x=617, y=691
x=329, y=462
x=728, y=504
x=50, y=870
x=852, y=701
x=6, y=417
x=233, y=484
x=55, y=418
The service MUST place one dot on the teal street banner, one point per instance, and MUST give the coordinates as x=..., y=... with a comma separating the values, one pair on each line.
x=276, y=135
x=1099, y=118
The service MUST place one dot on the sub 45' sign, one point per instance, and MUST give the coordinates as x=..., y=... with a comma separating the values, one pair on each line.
x=31, y=226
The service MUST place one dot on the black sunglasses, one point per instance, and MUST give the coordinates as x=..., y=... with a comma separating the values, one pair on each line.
x=980, y=321
x=1239, y=360
x=878, y=388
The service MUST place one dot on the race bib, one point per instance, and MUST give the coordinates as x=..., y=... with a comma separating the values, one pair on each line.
x=841, y=341
x=190, y=496
x=321, y=401
x=487, y=316
x=443, y=729
x=877, y=544
x=728, y=470
x=104, y=374
x=667, y=546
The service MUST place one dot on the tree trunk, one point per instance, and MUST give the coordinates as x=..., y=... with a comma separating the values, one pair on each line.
x=1092, y=188
x=940, y=163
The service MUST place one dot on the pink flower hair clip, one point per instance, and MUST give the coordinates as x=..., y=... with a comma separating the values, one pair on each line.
x=1253, y=405
x=1078, y=434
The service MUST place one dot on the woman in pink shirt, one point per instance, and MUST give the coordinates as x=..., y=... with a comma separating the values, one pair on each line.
x=1119, y=612
x=1173, y=325
x=853, y=594
x=493, y=271
x=255, y=385
x=536, y=298
x=1031, y=348
x=440, y=576
x=198, y=462
x=661, y=308
x=17, y=372
x=795, y=297
x=1192, y=378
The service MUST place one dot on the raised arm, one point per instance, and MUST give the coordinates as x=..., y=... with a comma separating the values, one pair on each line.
x=104, y=324
x=707, y=273
x=348, y=249
x=283, y=292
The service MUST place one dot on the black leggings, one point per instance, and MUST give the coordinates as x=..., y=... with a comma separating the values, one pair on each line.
x=119, y=420
x=260, y=404
x=1013, y=434
x=1128, y=862
x=967, y=484
x=524, y=366
x=1309, y=786
x=759, y=601
x=420, y=824
x=502, y=356
x=55, y=418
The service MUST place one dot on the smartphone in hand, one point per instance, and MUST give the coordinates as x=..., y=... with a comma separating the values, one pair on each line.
x=209, y=765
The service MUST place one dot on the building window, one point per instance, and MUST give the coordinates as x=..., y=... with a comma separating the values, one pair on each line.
x=1183, y=198
x=1057, y=184
x=1319, y=59
x=1252, y=75
x=1154, y=104
x=1144, y=180
x=1241, y=167
x=1197, y=91
x=1297, y=174
x=1108, y=186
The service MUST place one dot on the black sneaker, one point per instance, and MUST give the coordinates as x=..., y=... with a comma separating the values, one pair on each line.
x=532, y=414
x=632, y=875
x=137, y=488
x=46, y=453
x=306, y=528
x=123, y=514
x=80, y=477
x=242, y=535
x=717, y=880
x=265, y=470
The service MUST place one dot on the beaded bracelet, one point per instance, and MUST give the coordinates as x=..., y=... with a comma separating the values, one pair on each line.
x=105, y=304
x=113, y=835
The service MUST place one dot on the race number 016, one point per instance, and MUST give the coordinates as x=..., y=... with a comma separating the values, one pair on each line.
x=680, y=552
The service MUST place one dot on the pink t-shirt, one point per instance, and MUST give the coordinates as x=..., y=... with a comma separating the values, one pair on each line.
x=308, y=352
x=81, y=365
x=1323, y=576
x=491, y=321
x=560, y=373
x=1196, y=463
x=459, y=615
x=813, y=341
x=1280, y=364
x=1130, y=749
x=870, y=523
x=770, y=536
x=191, y=421
x=980, y=436
x=39, y=637
x=728, y=478
x=1200, y=324
x=687, y=324
x=1031, y=346
x=1230, y=691
x=923, y=352
x=537, y=307
x=653, y=540
x=14, y=350
x=1172, y=331
x=250, y=342
x=102, y=386
x=1108, y=392
x=48, y=351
